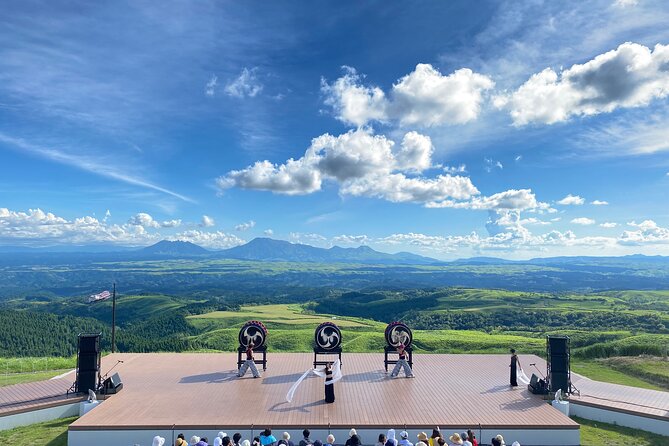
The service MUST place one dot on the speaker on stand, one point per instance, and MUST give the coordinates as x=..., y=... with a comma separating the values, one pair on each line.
x=559, y=365
x=88, y=363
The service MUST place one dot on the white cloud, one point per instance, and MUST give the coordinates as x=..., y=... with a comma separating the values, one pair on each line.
x=608, y=224
x=210, y=87
x=571, y=200
x=630, y=76
x=362, y=164
x=462, y=168
x=245, y=226
x=626, y=3
x=268, y=232
x=423, y=97
x=509, y=200
x=648, y=232
x=102, y=167
x=355, y=240
x=39, y=228
x=245, y=85
x=207, y=221
x=308, y=239
x=211, y=240
x=584, y=221
x=518, y=158
x=147, y=221
x=415, y=154
x=490, y=164
x=600, y=203
x=107, y=216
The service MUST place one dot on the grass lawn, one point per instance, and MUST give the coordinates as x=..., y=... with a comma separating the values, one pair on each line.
x=599, y=371
x=274, y=315
x=50, y=433
x=594, y=433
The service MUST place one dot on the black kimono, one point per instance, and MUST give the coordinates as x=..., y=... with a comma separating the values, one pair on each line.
x=514, y=372
x=329, y=388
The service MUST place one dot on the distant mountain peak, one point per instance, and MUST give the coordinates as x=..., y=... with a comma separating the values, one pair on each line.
x=174, y=248
x=267, y=249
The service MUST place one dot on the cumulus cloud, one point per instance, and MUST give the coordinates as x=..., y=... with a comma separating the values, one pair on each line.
x=245, y=226
x=647, y=232
x=632, y=75
x=462, y=168
x=512, y=199
x=207, y=221
x=210, y=87
x=571, y=200
x=608, y=224
x=600, y=203
x=351, y=239
x=245, y=85
x=362, y=164
x=583, y=221
x=268, y=232
x=211, y=240
x=424, y=97
x=147, y=221
x=39, y=228
x=308, y=239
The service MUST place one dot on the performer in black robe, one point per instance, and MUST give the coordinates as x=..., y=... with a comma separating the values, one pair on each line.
x=515, y=362
x=329, y=388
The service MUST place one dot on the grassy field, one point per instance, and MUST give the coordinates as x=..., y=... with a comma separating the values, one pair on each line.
x=650, y=369
x=601, y=434
x=50, y=433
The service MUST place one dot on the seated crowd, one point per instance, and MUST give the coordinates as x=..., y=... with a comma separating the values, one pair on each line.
x=267, y=439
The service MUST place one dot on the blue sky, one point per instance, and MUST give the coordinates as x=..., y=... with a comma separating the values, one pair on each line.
x=513, y=129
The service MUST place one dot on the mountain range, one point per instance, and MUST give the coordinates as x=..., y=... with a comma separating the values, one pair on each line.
x=271, y=250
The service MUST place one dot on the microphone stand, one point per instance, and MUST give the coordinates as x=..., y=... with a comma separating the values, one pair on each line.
x=107, y=374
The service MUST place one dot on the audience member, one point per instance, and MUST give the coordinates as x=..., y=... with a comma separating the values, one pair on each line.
x=422, y=437
x=194, y=440
x=181, y=440
x=158, y=441
x=404, y=439
x=236, y=438
x=285, y=440
x=306, y=441
x=391, y=440
x=266, y=438
x=330, y=440
x=353, y=438
x=382, y=440
x=465, y=439
x=456, y=440
x=472, y=438
x=436, y=434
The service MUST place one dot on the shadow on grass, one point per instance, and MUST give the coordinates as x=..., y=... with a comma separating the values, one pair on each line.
x=60, y=440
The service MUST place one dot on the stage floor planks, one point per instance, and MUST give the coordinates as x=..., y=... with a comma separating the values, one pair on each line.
x=201, y=390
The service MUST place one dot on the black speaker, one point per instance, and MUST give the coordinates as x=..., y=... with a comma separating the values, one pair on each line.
x=559, y=381
x=558, y=345
x=112, y=385
x=88, y=362
x=558, y=361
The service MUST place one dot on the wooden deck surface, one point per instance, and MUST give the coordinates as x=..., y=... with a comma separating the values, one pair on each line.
x=201, y=390
x=25, y=397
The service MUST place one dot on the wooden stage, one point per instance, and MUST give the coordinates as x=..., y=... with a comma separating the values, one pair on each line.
x=199, y=392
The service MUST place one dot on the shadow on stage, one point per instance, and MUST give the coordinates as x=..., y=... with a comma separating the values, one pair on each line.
x=369, y=377
x=502, y=388
x=217, y=377
x=282, y=379
x=303, y=408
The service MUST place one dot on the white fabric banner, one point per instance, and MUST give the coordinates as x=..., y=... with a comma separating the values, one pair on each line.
x=336, y=376
x=522, y=377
